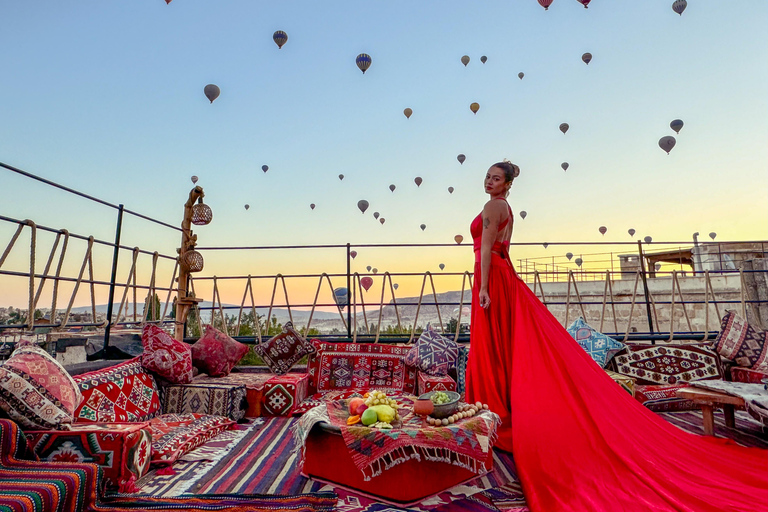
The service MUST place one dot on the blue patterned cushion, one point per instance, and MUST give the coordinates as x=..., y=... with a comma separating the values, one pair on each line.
x=433, y=354
x=461, y=368
x=599, y=346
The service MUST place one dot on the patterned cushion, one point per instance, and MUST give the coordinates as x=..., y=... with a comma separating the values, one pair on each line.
x=167, y=357
x=627, y=383
x=461, y=368
x=739, y=374
x=124, y=392
x=173, y=435
x=283, y=393
x=254, y=387
x=433, y=354
x=216, y=353
x=663, y=398
x=740, y=342
x=284, y=350
x=673, y=364
x=360, y=366
x=599, y=346
x=36, y=391
x=221, y=399
x=429, y=383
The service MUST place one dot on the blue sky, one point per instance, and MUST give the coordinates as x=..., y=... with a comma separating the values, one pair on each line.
x=107, y=97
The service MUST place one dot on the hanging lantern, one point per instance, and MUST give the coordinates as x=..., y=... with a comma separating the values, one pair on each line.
x=192, y=261
x=201, y=213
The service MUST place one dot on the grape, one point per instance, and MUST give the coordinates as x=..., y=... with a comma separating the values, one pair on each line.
x=440, y=398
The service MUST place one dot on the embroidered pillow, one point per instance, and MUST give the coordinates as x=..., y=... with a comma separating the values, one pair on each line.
x=433, y=354
x=669, y=365
x=216, y=353
x=173, y=435
x=741, y=343
x=284, y=350
x=600, y=347
x=167, y=357
x=120, y=393
x=36, y=391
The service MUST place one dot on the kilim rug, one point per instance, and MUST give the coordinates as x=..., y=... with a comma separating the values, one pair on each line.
x=262, y=461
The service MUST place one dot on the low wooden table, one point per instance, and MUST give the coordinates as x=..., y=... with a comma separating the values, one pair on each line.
x=708, y=401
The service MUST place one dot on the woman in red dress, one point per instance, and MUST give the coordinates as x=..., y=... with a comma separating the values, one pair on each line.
x=580, y=442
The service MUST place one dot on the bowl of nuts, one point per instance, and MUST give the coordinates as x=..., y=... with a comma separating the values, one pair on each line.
x=446, y=402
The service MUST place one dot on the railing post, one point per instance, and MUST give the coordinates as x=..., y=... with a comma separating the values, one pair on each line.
x=645, y=286
x=349, y=292
x=115, y=256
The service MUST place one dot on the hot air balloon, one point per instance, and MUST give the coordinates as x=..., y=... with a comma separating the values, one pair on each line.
x=545, y=4
x=586, y=58
x=211, y=92
x=312, y=206
x=280, y=38
x=578, y=261
x=265, y=168
x=520, y=75
x=458, y=239
x=474, y=107
x=341, y=177
x=712, y=235
x=545, y=244
x=392, y=188
x=363, y=205
x=667, y=143
x=679, y=6
x=442, y=266
x=408, y=113
x=657, y=267
x=648, y=239
x=375, y=215
x=417, y=180
x=423, y=227
x=483, y=59
x=523, y=214
x=461, y=159
x=676, y=125
x=341, y=296
x=584, y=2
x=247, y=206
x=631, y=232
x=569, y=255
x=602, y=230
x=366, y=282
x=363, y=62
x=450, y=190
x=465, y=60
x=368, y=268
x=395, y=286
x=564, y=127
x=381, y=220
x=564, y=165
x=353, y=254
x=194, y=179
x=375, y=270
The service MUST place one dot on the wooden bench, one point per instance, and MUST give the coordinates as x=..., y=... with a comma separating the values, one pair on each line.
x=708, y=401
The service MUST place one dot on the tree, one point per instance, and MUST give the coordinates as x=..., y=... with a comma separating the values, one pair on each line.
x=152, y=307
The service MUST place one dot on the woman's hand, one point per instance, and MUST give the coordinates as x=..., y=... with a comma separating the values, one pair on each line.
x=485, y=299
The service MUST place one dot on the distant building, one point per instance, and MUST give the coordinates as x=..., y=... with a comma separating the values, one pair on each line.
x=712, y=256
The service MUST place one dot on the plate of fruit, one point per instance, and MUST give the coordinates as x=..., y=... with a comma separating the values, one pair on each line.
x=375, y=409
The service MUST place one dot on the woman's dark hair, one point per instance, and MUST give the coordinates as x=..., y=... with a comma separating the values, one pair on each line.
x=511, y=171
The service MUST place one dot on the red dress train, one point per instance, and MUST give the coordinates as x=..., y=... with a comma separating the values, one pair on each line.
x=580, y=442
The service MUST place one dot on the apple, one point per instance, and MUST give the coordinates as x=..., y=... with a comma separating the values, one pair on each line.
x=361, y=408
x=354, y=403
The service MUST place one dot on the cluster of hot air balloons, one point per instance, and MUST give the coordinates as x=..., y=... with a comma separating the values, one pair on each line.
x=678, y=5
x=668, y=141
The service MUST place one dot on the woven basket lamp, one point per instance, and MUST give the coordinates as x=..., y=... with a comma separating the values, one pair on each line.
x=193, y=261
x=201, y=213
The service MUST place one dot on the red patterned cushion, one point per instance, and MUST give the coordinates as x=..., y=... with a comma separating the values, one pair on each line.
x=284, y=350
x=167, y=357
x=740, y=342
x=173, y=435
x=663, y=398
x=360, y=366
x=216, y=353
x=433, y=353
x=36, y=391
x=124, y=392
x=739, y=374
x=670, y=364
x=429, y=383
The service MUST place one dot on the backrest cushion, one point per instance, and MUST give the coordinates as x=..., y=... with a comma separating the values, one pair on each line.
x=169, y=358
x=338, y=366
x=284, y=350
x=121, y=393
x=742, y=343
x=36, y=390
x=600, y=347
x=215, y=353
x=433, y=354
x=669, y=364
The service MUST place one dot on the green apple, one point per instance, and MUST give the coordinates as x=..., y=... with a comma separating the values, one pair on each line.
x=369, y=417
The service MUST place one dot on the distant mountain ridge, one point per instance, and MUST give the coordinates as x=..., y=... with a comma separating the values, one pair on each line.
x=229, y=309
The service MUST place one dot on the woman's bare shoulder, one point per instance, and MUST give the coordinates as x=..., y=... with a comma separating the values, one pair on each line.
x=494, y=207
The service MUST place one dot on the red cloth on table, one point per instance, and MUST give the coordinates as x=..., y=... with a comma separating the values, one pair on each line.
x=580, y=442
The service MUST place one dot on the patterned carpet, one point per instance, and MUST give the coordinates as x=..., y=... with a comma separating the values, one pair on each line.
x=259, y=459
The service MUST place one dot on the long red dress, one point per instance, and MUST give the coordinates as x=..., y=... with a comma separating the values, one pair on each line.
x=580, y=442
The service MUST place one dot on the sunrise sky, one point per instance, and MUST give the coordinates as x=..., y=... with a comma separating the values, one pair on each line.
x=107, y=98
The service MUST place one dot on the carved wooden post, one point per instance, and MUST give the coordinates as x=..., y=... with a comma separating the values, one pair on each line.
x=188, y=243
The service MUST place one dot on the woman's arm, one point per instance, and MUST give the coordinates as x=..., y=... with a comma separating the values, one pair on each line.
x=491, y=216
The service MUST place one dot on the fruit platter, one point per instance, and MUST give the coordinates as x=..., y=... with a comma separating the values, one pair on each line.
x=374, y=409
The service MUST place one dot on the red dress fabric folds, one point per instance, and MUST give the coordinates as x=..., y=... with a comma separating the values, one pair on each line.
x=580, y=442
